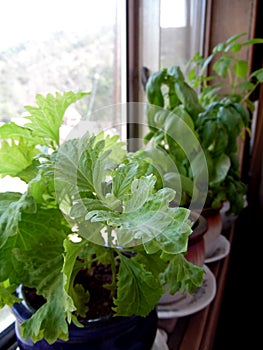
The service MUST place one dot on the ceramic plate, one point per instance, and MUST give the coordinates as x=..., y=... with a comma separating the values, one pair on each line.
x=222, y=250
x=201, y=298
x=160, y=340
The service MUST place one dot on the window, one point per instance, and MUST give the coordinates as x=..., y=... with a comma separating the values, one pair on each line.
x=62, y=45
x=163, y=33
x=181, y=30
x=98, y=46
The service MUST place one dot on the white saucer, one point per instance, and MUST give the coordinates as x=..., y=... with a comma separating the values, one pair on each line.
x=201, y=298
x=160, y=341
x=222, y=250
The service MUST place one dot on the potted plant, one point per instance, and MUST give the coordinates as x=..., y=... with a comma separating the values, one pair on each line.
x=91, y=244
x=213, y=110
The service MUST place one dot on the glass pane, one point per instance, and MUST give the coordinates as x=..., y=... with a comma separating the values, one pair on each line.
x=181, y=30
x=57, y=46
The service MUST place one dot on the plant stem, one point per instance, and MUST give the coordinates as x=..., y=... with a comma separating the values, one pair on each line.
x=114, y=274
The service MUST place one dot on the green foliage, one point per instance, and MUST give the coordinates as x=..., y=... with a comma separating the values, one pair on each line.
x=215, y=109
x=88, y=201
x=230, y=77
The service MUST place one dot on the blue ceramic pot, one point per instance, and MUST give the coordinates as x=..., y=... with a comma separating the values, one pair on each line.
x=114, y=333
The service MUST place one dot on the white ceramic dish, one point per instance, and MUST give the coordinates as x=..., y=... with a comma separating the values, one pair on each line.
x=221, y=251
x=201, y=298
x=160, y=342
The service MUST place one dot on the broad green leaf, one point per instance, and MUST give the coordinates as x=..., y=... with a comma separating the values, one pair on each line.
x=153, y=88
x=47, y=117
x=222, y=65
x=11, y=209
x=30, y=172
x=79, y=296
x=142, y=224
x=39, y=250
x=231, y=119
x=219, y=47
x=99, y=171
x=10, y=268
x=38, y=246
x=138, y=289
x=179, y=112
x=152, y=261
x=82, y=206
x=82, y=167
x=93, y=232
x=253, y=41
x=72, y=250
x=15, y=132
x=7, y=294
x=183, y=135
x=236, y=194
x=123, y=179
x=233, y=38
x=208, y=133
x=220, y=141
x=7, y=198
x=41, y=189
x=141, y=189
x=240, y=69
x=15, y=157
x=70, y=179
x=179, y=183
x=181, y=275
x=234, y=47
x=160, y=117
x=221, y=168
x=205, y=64
x=243, y=112
x=50, y=320
x=258, y=74
x=174, y=238
x=117, y=148
x=189, y=98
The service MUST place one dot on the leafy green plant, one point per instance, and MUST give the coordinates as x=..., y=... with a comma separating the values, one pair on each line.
x=230, y=77
x=215, y=109
x=88, y=205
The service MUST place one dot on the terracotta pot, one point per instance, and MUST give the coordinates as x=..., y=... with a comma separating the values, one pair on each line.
x=215, y=225
x=196, y=244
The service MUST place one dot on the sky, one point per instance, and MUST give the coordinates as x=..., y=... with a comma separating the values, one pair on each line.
x=23, y=20
x=172, y=13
